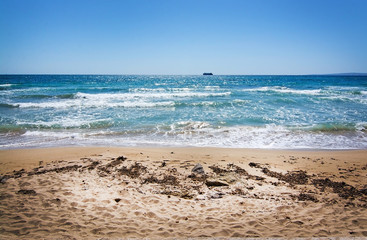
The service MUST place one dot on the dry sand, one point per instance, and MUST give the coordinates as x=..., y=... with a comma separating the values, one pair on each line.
x=113, y=193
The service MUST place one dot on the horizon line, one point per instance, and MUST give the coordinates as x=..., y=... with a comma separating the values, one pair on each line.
x=155, y=74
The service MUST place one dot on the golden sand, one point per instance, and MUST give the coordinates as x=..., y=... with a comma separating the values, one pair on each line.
x=114, y=193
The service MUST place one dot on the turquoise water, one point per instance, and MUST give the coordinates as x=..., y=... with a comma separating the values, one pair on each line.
x=285, y=112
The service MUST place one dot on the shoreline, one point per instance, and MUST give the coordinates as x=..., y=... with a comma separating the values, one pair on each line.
x=115, y=192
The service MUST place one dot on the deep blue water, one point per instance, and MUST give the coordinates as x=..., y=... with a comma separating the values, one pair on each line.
x=287, y=112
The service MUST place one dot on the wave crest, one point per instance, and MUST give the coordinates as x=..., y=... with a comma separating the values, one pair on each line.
x=95, y=104
x=284, y=90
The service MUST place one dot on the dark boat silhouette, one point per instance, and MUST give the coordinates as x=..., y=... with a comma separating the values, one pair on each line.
x=207, y=73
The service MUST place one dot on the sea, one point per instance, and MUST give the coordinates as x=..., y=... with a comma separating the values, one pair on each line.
x=267, y=112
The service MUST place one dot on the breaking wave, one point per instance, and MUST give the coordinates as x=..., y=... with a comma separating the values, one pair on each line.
x=204, y=134
x=95, y=104
x=284, y=90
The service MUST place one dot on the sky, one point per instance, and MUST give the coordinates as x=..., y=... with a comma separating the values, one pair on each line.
x=183, y=36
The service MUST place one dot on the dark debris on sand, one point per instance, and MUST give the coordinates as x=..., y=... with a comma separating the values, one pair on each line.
x=27, y=192
x=133, y=171
x=294, y=178
x=15, y=174
x=301, y=177
x=174, y=183
x=93, y=165
x=167, y=180
x=341, y=188
x=38, y=171
x=306, y=197
x=232, y=168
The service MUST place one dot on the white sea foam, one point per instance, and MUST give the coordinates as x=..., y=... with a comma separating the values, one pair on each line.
x=153, y=95
x=52, y=134
x=190, y=125
x=205, y=103
x=361, y=126
x=31, y=89
x=65, y=122
x=6, y=85
x=270, y=136
x=160, y=84
x=160, y=90
x=342, y=88
x=203, y=134
x=284, y=90
x=212, y=88
x=346, y=98
x=147, y=90
x=138, y=99
x=95, y=104
x=241, y=101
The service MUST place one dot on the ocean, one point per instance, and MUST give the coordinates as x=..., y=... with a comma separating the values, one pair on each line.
x=272, y=112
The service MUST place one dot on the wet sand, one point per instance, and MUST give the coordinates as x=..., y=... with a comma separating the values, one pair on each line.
x=114, y=193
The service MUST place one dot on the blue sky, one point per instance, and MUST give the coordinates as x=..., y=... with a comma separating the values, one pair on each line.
x=183, y=36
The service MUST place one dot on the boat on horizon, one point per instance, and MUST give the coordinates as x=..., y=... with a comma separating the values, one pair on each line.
x=207, y=73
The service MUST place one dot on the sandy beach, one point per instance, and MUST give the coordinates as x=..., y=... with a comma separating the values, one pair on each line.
x=117, y=193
